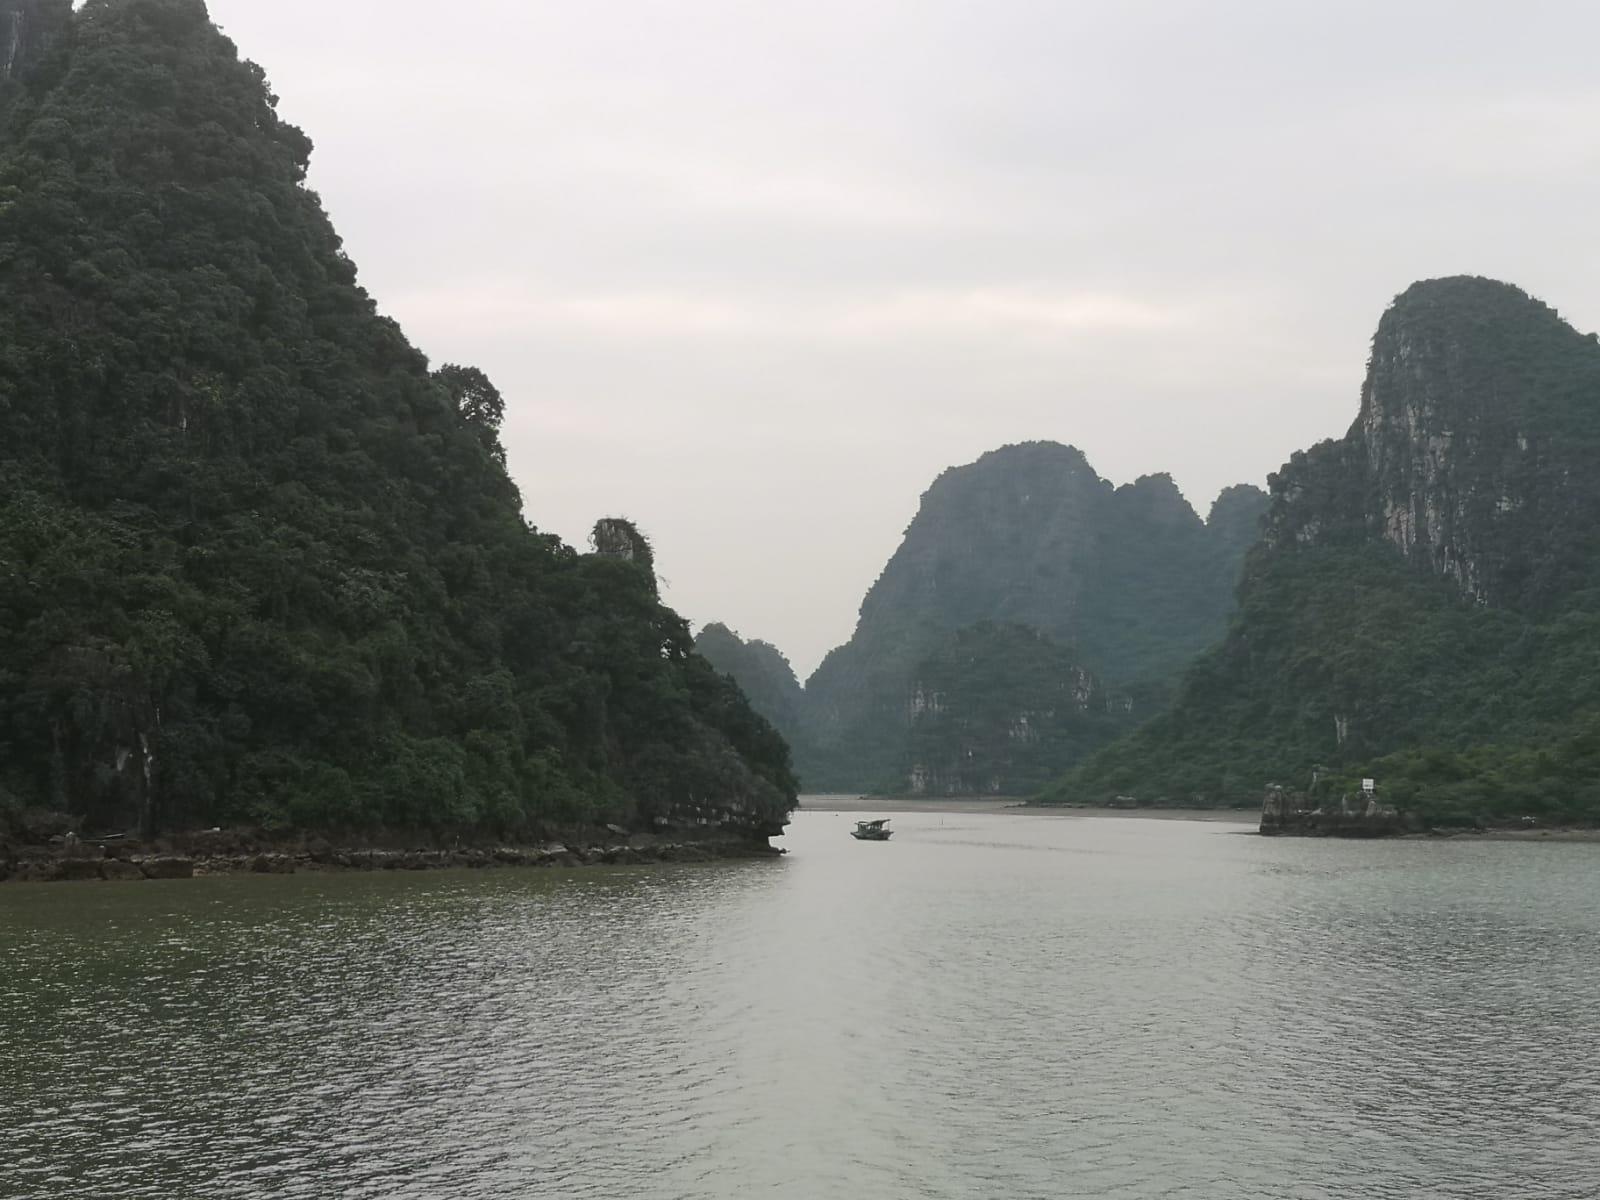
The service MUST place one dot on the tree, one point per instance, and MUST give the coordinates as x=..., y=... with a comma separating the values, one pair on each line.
x=476, y=400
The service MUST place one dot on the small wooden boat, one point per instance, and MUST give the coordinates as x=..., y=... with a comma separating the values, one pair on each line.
x=872, y=831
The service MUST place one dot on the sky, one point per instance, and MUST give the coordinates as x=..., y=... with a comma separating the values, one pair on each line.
x=753, y=272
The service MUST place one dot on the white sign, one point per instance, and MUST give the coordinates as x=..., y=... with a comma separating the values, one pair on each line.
x=1369, y=786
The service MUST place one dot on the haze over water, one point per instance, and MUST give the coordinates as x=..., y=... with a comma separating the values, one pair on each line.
x=991, y=1005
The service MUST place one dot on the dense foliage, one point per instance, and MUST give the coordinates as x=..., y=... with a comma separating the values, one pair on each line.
x=1127, y=583
x=760, y=669
x=1002, y=710
x=257, y=562
x=1424, y=607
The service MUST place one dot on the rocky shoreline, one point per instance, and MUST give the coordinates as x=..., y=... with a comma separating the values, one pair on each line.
x=1290, y=814
x=216, y=852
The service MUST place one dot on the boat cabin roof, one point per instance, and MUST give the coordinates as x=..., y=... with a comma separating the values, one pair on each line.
x=872, y=824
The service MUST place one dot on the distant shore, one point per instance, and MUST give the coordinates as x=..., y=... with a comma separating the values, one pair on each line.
x=1014, y=805
x=1553, y=834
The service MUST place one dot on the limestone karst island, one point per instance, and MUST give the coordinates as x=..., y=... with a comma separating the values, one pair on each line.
x=750, y=649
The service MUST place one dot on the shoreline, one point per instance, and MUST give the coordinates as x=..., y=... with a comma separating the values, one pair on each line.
x=1563, y=833
x=1015, y=806
x=216, y=852
x=111, y=861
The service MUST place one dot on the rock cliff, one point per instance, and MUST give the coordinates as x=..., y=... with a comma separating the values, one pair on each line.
x=259, y=563
x=1423, y=599
x=29, y=29
x=1473, y=450
x=1027, y=546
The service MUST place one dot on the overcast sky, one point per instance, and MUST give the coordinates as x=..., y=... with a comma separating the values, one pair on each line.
x=753, y=272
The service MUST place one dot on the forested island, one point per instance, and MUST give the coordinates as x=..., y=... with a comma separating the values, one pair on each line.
x=1419, y=606
x=268, y=594
x=1033, y=613
x=1423, y=608
x=261, y=566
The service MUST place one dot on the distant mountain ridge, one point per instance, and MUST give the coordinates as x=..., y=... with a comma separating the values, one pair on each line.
x=1027, y=557
x=764, y=674
x=1424, y=604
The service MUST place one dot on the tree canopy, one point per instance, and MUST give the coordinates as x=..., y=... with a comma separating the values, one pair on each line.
x=258, y=563
x=1424, y=607
x=1026, y=547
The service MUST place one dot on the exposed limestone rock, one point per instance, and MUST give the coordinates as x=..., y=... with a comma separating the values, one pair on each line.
x=1458, y=458
x=28, y=28
x=272, y=864
x=617, y=537
x=168, y=868
x=1285, y=812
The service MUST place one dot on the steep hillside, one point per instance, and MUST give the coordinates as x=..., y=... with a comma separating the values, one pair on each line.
x=1126, y=584
x=761, y=671
x=1424, y=606
x=30, y=30
x=259, y=564
x=998, y=709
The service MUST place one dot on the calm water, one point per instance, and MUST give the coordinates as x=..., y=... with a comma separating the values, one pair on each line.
x=990, y=1006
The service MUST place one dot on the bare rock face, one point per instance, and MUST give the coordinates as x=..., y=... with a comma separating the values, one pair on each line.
x=1273, y=805
x=1285, y=812
x=617, y=537
x=168, y=868
x=1474, y=450
x=1453, y=452
x=28, y=28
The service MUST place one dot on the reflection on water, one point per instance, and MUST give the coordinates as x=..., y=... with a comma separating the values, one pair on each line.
x=991, y=1005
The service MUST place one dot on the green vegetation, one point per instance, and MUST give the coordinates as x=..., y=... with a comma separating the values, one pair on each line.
x=1424, y=608
x=259, y=564
x=1001, y=709
x=762, y=672
x=1126, y=584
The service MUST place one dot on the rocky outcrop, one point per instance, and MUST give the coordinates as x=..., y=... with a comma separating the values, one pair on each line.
x=1444, y=444
x=1360, y=816
x=619, y=538
x=227, y=852
x=167, y=866
x=1473, y=450
x=1424, y=605
x=1127, y=580
x=28, y=28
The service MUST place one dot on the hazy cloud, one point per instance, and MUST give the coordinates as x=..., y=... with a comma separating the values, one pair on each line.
x=756, y=273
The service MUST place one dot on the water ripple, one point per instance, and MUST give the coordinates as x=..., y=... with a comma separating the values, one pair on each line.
x=989, y=1006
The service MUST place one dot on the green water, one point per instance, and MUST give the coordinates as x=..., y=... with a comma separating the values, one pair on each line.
x=991, y=1005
